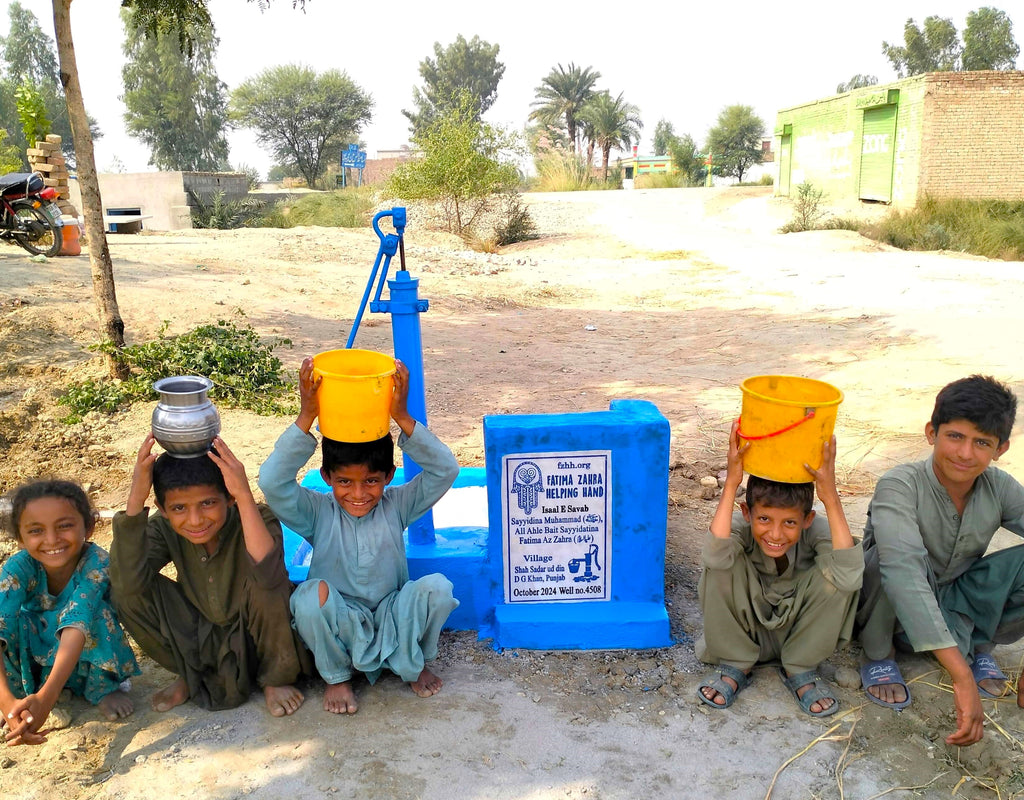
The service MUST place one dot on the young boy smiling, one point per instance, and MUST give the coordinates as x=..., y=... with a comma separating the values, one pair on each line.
x=359, y=611
x=778, y=582
x=224, y=626
x=928, y=584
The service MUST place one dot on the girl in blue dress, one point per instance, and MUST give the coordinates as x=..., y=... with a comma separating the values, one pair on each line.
x=57, y=627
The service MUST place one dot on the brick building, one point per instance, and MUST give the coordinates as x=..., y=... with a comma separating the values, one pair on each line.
x=941, y=134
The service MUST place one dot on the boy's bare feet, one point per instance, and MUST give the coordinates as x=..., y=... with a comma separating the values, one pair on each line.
x=170, y=696
x=427, y=684
x=889, y=693
x=282, y=700
x=116, y=705
x=340, y=699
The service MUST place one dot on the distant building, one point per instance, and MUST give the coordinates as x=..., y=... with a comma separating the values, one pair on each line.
x=941, y=134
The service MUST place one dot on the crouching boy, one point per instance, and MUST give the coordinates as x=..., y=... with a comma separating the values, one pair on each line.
x=778, y=582
x=359, y=611
x=928, y=585
x=223, y=627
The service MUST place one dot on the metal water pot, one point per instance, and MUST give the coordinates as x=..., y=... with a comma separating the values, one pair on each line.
x=185, y=422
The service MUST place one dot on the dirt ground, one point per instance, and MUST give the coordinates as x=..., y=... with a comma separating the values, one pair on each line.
x=673, y=296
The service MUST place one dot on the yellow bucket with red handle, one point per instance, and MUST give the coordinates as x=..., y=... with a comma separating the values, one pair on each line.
x=355, y=394
x=787, y=420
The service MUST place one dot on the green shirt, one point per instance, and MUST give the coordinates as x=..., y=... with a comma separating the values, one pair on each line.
x=143, y=544
x=924, y=543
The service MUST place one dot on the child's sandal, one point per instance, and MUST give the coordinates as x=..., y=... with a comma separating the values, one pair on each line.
x=716, y=681
x=819, y=691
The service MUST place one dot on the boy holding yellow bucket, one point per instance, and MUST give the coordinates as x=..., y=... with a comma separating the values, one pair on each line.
x=928, y=585
x=358, y=611
x=778, y=581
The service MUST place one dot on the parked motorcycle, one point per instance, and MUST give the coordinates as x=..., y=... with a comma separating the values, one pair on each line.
x=28, y=214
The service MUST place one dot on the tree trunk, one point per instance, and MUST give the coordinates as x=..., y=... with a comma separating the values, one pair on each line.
x=92, y=206
x=606, y=153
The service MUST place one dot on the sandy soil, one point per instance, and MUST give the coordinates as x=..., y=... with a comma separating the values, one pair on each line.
x=687, y=292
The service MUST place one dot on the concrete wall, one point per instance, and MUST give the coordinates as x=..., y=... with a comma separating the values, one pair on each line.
x=205, y=185
x=160, y=194
x=163, y=196
x=973, y=135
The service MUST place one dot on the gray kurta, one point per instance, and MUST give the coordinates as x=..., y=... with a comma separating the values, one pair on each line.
x=375, y=616
x=923, y=560
x=752, y=613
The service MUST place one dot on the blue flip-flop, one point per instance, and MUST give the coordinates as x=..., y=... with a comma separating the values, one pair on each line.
x=985, y=668
x=880, y=673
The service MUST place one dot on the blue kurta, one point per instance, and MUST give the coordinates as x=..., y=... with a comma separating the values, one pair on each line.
x=375, y=616
x=31, y=619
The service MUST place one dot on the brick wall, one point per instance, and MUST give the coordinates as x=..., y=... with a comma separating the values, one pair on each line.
x=973, y=135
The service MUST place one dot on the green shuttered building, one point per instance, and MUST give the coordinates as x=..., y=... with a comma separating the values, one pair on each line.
x=943, y=134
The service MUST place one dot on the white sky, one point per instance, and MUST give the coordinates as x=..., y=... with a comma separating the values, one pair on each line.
x=680, y=61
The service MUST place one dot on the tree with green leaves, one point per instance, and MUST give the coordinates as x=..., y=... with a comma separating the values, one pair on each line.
x=935, y=47
x=687, y=159
x=664, y=133
x=561, y=96
x=614, y=123
x=735, y=140
x=30, y=59
x=463, y=162
x=471, y=66
x=175, y=103
x=156, y=16
x=988, y=41
x=27, y=51
x=301, y=116
x=856, y=82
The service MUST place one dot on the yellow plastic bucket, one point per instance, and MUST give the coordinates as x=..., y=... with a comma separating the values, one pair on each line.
x=355, y=395
x=786, y=419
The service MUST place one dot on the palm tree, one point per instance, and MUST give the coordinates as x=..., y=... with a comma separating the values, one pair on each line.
x=561, y=96
x=615, y=123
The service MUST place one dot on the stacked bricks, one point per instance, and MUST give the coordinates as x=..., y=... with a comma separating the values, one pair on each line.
x=47, y=159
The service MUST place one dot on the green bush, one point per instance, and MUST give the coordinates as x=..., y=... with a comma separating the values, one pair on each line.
x=807, y=211
x=992, y=228
x=660, y=180
x=561, y=171
x=345, y=208
x=516, y=224
x=223, y=214
x=245, y=372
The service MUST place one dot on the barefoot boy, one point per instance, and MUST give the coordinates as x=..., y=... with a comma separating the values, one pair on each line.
x=778, y=582
x=927, y=581
x=223, y=627
x=359, y=610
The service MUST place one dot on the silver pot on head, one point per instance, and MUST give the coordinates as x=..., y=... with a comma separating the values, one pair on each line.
x=185, y=421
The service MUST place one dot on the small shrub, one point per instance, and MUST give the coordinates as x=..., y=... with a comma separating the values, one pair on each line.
x=561, y=171
x=660, y=180
x=245, y=372
x=807, y=210
x=345, y=208
x=222, y=214
x=767, y=180
x=516, y=224
x=991, y=228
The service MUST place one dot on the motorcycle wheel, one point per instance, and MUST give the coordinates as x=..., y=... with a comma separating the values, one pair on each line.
x=41, y=236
